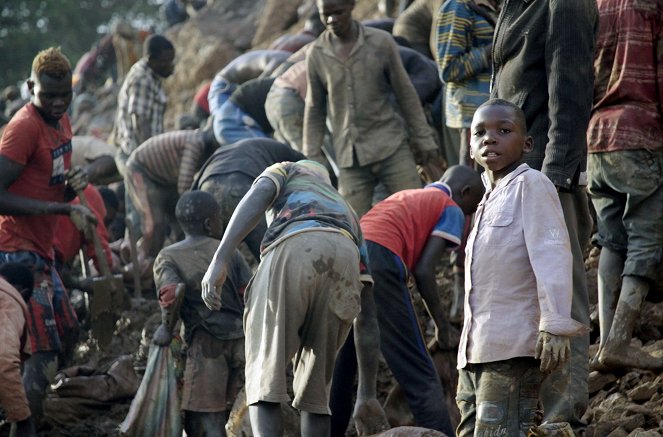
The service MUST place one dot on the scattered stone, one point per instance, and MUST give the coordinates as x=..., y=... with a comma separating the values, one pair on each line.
x=598, y=381
x=642, y=392
x=639, y=432
x=618, y=433
x=411, y=431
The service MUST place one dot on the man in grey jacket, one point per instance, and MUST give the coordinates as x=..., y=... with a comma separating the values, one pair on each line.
x=542, y=62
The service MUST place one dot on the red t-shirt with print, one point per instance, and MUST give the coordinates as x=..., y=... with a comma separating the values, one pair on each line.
x=45, y=153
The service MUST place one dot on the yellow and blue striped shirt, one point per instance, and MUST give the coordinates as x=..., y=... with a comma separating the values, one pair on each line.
x=463, y=38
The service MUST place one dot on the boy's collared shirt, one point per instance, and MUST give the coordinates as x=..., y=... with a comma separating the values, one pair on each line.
x=519, y=271
x=355, y=94
x=186, y=262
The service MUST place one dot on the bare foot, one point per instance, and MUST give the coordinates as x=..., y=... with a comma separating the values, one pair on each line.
x=629, y=357
x=369, y=417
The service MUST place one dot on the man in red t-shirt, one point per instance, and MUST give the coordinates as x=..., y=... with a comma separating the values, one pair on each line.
x=35, y=176
x=406, y=234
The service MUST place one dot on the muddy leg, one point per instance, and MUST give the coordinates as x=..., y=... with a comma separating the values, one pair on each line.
x=267, y=419
x=197, y=424
x=617, y=352
x=456, y=311
x=315, y=425
x=611, y=264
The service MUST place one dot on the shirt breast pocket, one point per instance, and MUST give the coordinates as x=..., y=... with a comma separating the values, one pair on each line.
x=498, y=229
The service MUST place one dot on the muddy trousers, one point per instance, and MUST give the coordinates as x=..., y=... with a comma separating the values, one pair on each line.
x=499, y=398
x=564, y=393
x=402, y=345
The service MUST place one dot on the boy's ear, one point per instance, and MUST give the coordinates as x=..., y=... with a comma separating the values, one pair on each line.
x=528, y=145
x=207, y=225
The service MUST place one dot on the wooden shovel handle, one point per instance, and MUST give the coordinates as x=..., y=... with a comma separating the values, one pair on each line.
x=98, y=249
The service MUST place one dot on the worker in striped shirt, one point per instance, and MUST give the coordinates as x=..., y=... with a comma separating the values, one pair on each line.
x=158, y=172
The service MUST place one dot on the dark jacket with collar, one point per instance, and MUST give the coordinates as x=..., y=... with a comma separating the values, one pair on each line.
x=543, y=52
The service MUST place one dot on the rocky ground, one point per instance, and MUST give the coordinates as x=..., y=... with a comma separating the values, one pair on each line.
x=623, y=404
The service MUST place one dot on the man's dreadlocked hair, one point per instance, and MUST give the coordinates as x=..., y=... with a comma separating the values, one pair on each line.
x=51, y=62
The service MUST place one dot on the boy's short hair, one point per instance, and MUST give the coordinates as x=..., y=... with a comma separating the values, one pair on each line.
x=520, y=114
x=194, y=207
x=51, y=62
x=155, y=45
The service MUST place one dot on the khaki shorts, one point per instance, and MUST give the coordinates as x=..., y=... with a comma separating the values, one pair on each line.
x=212, y=374
x=300, y=306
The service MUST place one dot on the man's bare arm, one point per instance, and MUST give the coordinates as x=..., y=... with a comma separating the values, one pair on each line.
x=424, y=275
x=368, y=414
x=247, y=215
x=13, y=204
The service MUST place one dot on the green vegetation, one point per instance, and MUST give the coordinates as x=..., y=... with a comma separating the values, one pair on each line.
x=27, y=26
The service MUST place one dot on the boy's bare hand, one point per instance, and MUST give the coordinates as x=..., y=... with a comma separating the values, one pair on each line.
x=369, y=417
x=76, y=179
x=212, y=284
x=552, y=350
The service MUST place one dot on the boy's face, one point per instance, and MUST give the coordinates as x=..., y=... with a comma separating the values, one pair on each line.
x=51, y=96
x=336, y=15
x=498, y=140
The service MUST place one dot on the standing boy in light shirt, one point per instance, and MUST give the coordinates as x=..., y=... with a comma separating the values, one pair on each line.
x=518, y=289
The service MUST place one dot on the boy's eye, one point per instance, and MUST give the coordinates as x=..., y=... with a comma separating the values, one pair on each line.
x=478, y=133
x=505, y=130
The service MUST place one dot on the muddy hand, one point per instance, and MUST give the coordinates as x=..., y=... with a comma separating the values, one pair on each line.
x=81, y=216
x=369, y=417
x=76, y=179
x=552, y=350
x=212, y=284
x=424, y=156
